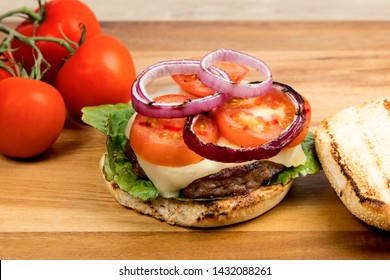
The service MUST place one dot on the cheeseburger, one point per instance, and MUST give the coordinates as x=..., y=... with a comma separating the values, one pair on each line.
x=215, y=151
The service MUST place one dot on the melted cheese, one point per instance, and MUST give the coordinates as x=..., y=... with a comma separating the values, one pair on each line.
x=169, y=180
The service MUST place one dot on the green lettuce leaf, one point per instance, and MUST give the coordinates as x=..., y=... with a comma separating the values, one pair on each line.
x=311, y=165
x=112, y=121
x=97, y=116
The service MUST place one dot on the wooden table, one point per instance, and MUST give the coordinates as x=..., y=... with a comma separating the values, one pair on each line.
x=56, y=206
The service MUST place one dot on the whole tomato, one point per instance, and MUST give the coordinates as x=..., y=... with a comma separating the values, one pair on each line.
x=32, y=116
x=61, y=17
x=100, y=72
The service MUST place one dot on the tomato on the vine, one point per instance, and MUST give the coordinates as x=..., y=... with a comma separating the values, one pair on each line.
x=32, y=116
x=251, y=122
x=100, y=72
x=61, y=18
x=160, y=141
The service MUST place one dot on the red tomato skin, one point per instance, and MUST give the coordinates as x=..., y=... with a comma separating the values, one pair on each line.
x=7, y=61
x=100, y=72
x=247, y=134
x=191, y=83
x=32, y=116
x=62, y=16
x=4, y=74
x=160, y=141
x=306, y=126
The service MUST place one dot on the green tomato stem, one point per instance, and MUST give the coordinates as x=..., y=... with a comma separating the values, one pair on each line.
x=7, y=68
x=36, y=72
x=31, y=41
x=36, y=17
x=30, y=13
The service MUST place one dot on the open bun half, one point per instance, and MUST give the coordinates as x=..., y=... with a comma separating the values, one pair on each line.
x=353, y=147
x=205, y=213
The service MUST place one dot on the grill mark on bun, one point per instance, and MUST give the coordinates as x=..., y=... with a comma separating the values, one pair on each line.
x=349, y=177
x=378, y=160
x=386, y=104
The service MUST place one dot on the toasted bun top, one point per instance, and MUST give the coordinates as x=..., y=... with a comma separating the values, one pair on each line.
x=205, y=213
x=353, y=147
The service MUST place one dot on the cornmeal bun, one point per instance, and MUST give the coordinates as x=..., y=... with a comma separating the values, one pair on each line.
x=203, y=214
x=353, y=147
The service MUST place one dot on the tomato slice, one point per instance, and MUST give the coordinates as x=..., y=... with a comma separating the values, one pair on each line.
x=251, y=122
x=160, y=141
x=191, y=83
x=306, y=127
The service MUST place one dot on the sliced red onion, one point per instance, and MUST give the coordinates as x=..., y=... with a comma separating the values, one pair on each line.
x=267, y=150
x=221, y=84
x=144, y=105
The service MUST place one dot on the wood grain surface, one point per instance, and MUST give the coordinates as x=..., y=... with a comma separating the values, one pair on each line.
x=56, y=206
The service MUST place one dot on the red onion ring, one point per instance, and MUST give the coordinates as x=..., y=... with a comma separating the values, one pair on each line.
x=221, y=84
x=267, y=150
x=146, y=106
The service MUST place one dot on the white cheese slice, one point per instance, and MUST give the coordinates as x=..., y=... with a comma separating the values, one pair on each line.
x=170, y=180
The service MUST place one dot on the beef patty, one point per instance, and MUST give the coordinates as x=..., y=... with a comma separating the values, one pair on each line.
x=233, y=181
x=227, y=182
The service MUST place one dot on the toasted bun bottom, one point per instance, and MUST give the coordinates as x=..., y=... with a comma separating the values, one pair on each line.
x=205, y=214
x=353, y=148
